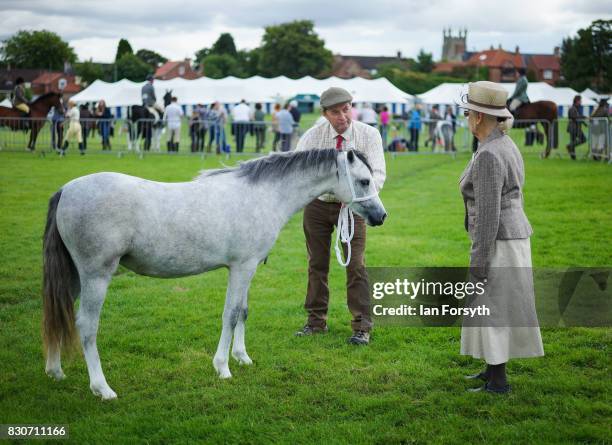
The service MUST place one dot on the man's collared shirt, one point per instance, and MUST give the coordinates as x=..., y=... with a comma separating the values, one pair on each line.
x=285, y=122
x=241, y=113
x=173, y=115
x=359, y=136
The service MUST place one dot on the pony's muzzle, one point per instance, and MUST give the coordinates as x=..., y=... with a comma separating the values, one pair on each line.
x=378, y=221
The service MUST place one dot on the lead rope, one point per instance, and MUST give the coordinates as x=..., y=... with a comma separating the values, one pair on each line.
x=344, y=233
x=346, y=220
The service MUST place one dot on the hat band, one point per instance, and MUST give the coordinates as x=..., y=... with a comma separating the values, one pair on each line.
x=494, y=107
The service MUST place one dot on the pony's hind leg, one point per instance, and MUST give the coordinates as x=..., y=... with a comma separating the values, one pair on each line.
x=237, y=289
x=93, y=292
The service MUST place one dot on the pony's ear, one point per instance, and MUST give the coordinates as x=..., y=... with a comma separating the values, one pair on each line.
x=350, y=156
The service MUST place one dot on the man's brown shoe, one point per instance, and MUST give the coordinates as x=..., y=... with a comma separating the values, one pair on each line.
x=311, y=330
x=360, y=338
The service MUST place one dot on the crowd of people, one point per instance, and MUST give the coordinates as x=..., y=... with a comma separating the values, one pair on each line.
x=207, y=127
x=207, y=124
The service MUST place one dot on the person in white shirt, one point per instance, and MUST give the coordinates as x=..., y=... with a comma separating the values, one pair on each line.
x=241, y=115
x=341, y=132
x=369, y=116
x=172, y=117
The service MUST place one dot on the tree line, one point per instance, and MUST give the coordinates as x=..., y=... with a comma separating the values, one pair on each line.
x=295, y=50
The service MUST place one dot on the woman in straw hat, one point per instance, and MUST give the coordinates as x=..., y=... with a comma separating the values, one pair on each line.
x=500, y=255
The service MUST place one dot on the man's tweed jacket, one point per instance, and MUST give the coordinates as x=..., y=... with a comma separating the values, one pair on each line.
x=491, y=186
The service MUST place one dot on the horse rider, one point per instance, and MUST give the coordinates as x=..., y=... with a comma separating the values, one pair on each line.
x=149, y=100
x=519, y=97
x=19, y=100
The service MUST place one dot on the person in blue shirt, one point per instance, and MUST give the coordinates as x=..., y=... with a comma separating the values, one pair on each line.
x=414, y=125
x=285, y=127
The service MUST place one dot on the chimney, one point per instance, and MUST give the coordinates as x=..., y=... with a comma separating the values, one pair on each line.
x=557, y=51
x=491, y=48
x=516, y=50
x=399, y=55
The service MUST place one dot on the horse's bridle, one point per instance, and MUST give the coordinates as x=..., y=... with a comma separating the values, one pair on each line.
x=343, y=159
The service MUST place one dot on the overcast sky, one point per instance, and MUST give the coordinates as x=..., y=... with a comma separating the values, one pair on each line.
x=178, y=29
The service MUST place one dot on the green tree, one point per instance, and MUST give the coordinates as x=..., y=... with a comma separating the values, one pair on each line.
x=224, y=45
x=413, y=82
x=123, y=48
x=470, y=72
x=132, y=68
x=424, y=62
x=151, y=58
x=586, y=59
x=248, y=61
x=294, y=50
x=36, y=49
x=217, y=66
x=89, y=71
x=201, y=54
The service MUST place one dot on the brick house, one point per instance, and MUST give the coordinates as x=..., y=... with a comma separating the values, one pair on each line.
x=347, y=67
x=502, y=65
x=546, y=67
x=173, y=69
x=8, y=77
x=54, y=81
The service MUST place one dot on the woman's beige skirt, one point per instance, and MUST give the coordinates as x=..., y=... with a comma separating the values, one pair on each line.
x=74, y=132
x=519, y=337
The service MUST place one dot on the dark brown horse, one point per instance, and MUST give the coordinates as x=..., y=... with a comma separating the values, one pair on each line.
x=39, y=108
x=543, y=112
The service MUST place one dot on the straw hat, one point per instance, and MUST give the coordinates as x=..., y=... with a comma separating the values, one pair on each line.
x=486, y=97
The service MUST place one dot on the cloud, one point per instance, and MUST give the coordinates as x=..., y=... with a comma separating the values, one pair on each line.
x=178, y=29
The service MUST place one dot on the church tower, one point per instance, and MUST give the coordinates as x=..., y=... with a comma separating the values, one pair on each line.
x=453, y=47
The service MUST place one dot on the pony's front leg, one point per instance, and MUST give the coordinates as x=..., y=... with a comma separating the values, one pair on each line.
x=157, y=140
x=239, y=347
x=237, y=289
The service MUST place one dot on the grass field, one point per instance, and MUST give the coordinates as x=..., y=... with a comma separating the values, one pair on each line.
x=157, y=337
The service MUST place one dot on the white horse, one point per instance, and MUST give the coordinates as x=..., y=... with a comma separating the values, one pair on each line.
x=99, y=221
x=444, y=133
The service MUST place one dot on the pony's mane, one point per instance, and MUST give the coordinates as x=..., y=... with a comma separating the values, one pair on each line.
x=279, y=165
x=45, y=96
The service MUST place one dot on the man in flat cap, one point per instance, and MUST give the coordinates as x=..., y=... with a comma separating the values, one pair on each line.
x=338, y=131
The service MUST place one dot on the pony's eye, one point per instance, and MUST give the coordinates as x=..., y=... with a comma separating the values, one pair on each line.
x=365, y=182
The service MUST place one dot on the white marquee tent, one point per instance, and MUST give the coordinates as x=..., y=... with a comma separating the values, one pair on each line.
x=594, y=96
x=231, y=90
x=450, y=93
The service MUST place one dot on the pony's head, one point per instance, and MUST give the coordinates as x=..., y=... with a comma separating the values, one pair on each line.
x=356, y=189
x=167, y=98
x=52, y=99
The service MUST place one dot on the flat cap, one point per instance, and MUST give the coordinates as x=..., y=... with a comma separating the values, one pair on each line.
x=334, y=96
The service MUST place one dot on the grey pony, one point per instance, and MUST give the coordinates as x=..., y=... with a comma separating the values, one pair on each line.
x=99, y=221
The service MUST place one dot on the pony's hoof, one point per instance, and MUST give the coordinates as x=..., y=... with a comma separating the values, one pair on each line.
x=104, y=392
x=225, y=374
x=222, y=369
x=242, y=358
x=56, y=374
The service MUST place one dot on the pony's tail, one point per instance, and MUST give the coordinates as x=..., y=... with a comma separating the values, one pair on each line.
x=59, y=286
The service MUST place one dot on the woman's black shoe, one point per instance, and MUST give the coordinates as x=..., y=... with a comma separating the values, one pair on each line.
x=492, y=389
x=481, y=376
